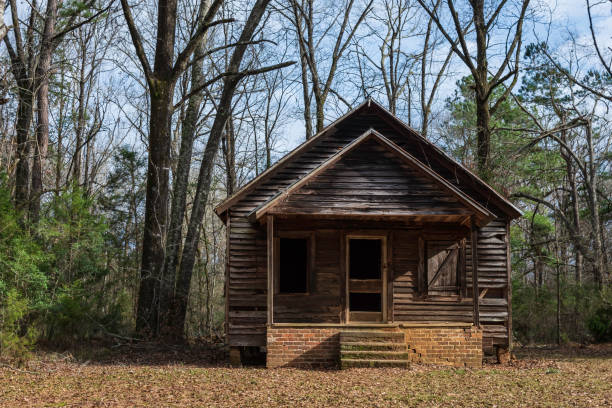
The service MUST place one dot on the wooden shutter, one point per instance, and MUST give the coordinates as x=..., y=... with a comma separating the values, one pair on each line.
x=443, y=269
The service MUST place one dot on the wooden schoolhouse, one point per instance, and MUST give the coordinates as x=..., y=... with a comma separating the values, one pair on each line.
x=367, y=245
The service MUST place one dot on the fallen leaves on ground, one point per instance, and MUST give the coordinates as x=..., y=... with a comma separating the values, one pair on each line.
x=541, y=377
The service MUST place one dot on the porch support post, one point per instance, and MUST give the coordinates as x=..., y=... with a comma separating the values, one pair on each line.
x=270, y=241
x=475, y=290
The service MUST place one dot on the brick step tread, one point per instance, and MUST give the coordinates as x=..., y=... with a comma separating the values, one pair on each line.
x=376, y=345
x=351, y=363
x=372, y=333
x=371, y=336
x=374, y=355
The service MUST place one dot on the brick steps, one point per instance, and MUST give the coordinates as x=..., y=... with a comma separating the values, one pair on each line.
x=375, y=355
x=359, y=346
x=373, y=348
x=351, y=363
x=372, y=336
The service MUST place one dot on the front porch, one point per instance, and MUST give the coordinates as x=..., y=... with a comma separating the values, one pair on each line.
x=403, y=283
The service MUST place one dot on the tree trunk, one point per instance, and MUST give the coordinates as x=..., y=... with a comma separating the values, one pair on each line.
x=80, y=124
x=204, y=177
x=230, y=157
x=320, y=108
x=154, y=285
x=598, y=265
x=22, y=130
x=483, y=115
x=59, y=161
x=42, y=109
x=22, y=66
x=156, y=210
x=305, y=91
x=181, y=178
x=571, y=177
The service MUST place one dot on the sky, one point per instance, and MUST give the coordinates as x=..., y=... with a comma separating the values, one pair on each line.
x=556, y=21
x=566, y=16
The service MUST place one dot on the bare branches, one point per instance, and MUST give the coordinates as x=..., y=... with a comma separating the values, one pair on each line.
x=303, y=16
x=606, y=64
x=136, y=40
x=574, y=80
x=516, y=44
x=183, y=58
x=465, y=57
x=237, y=74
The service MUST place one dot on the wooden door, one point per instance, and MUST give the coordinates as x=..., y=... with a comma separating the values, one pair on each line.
x=366, y=278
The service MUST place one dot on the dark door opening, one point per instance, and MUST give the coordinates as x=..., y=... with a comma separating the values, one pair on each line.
x=365, y=279
x=365, y=259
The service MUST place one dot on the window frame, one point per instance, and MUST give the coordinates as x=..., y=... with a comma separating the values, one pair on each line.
x=423, y=265
x=310, y=264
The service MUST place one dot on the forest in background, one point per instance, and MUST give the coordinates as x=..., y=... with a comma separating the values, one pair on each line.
x=123, y=123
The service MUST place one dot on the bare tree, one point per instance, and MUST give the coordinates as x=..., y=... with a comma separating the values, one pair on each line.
x=200, y=200
x=22, y=55
x=188, y=135
x=485, y=18
x=431, y=76
x=161, y=81
x=311, y=33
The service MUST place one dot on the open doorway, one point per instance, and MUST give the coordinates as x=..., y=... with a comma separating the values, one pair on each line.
x=366, y=278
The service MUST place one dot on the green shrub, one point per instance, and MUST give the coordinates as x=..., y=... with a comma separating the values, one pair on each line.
x=79, y=315
x=16, y=338
x=600, y=323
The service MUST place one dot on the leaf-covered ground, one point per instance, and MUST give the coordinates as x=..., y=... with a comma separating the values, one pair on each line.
x=539, y=377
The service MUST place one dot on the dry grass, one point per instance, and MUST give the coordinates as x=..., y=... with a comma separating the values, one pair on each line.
x=567, y=377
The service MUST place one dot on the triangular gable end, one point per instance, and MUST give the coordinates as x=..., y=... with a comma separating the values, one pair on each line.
x=407, y=187
x=406, y=138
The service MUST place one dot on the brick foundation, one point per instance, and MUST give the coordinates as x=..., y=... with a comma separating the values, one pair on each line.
x=303, y=347
x=451, y=346
x=319, y=347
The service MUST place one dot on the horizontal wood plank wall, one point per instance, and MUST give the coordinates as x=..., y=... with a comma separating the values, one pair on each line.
x=371, y=180
x=492, y=282
x=247, y=282
x=247, y=242
x=323, y=303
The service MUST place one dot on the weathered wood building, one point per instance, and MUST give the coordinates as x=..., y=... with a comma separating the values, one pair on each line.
x=367, y=244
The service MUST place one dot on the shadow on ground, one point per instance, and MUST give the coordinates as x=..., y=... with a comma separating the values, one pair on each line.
x=142, y=353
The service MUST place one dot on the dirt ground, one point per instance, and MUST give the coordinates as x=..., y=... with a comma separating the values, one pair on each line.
x=539, y=377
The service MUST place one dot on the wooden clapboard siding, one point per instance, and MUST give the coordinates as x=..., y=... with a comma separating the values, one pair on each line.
x=246, y=297
x=323, y=303
x=371, y=180
x=493, y=277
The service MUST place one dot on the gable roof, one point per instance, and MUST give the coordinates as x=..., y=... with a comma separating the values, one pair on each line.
x=469, y=184
x=483, y=215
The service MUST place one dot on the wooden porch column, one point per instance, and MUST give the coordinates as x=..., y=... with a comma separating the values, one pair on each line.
x=270, y=241
x=475, y=290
